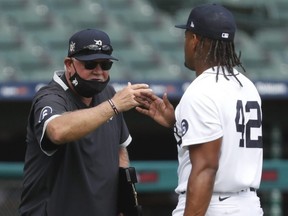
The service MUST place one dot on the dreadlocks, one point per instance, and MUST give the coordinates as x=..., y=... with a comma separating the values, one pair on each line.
x=224, y=54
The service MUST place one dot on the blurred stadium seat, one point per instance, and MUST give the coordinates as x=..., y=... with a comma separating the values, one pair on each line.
x=120, y=35
x=277, y=9
x=80, y=15
x=61, y=3
x=28, y=17
x=9, y=40
x=12, y=4
x=166, y=39
x=142, y=16
x=272, y=38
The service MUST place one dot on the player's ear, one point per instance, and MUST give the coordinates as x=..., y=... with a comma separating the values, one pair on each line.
x=68, y=61
x=68, y=64
x=195, y=39
x=191, y=39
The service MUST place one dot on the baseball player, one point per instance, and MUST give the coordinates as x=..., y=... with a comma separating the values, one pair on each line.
x=217, y=123
x=76, y=135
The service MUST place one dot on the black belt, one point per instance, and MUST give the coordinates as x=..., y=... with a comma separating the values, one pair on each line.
x=250, y=189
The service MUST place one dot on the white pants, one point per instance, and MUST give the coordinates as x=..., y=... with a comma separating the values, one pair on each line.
x=245, y=203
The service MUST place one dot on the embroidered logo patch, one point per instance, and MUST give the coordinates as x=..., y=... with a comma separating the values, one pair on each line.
x=225, y=35
x=192, y=24
x=184, y=126
x=75, y=82
x=44, y=112
x=98, y=42
x=72, y=46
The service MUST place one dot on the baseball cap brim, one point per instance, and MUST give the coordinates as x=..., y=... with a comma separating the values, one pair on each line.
x=97, y=56
x=181, y=26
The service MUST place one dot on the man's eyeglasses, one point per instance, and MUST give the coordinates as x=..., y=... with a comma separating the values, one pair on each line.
x=90, y=65
x=105, y=49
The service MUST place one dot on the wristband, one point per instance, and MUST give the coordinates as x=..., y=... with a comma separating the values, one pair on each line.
x=113, y=106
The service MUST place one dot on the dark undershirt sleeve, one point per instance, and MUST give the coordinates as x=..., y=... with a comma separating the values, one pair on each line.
x=125, y=135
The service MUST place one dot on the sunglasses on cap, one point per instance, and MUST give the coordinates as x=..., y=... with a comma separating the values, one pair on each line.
x=90, y=65
x=105, y=49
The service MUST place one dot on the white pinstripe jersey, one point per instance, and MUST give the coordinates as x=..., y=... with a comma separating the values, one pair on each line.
x=209, y=110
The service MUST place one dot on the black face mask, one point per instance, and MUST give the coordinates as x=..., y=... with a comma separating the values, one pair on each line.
x=87, y=88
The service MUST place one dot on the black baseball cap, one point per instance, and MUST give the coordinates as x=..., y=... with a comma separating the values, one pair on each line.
x=212, y=21
x=90, y=44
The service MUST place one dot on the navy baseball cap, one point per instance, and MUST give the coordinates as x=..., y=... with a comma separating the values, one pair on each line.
x=212, y=21
x=90, y=44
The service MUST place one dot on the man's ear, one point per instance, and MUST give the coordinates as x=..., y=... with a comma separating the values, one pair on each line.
x=68, y=63
x=195, y=40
